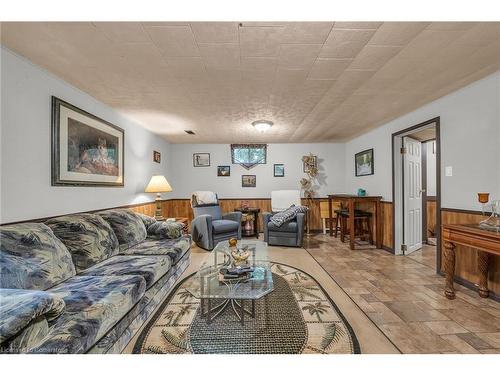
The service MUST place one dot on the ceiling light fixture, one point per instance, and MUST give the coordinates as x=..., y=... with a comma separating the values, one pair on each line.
x=262, y=125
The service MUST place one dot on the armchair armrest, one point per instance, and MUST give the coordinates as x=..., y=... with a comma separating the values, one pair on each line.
x=234, y=216
x=21, y=307
x=201, y=231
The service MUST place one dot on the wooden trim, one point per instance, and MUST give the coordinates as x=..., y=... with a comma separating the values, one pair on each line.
x=423, y=154
x=431, y=198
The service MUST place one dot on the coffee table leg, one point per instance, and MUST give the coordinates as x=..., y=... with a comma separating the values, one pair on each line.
x=242, y=312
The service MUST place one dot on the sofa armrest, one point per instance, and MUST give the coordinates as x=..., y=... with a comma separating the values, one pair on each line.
x=21, y=307
x=266, y=216
x=163, y=229
x=201, y=231
x=301, y=219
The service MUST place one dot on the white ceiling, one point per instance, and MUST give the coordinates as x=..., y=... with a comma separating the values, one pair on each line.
x=317, y=81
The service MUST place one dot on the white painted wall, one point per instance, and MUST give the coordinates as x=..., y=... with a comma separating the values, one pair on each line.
x=26, y=191
x=187, y=178
x=431, y=168
x=470, y=143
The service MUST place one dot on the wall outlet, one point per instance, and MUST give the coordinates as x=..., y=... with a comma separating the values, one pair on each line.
x=448, y=171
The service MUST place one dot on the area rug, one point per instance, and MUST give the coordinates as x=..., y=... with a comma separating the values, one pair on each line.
x=297, y=317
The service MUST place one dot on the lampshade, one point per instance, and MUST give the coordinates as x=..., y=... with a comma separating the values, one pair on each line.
x=158, y=184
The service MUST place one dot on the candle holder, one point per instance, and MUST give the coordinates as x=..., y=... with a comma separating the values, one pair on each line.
x=492, y=223
x=483, y=198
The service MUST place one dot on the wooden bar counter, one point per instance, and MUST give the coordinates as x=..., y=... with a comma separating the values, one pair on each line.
x=471, y=236
x=350, y=201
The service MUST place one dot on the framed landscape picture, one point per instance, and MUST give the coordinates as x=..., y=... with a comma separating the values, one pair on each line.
x=248, y=180
x=279, y=170
x=86, y=150
x=364, y=163
x=201, y=159
x=223, y=171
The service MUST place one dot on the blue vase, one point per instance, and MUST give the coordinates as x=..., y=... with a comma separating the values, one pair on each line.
x=361, y=192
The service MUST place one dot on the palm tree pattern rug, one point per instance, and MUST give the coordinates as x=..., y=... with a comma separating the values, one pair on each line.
x=297, y=317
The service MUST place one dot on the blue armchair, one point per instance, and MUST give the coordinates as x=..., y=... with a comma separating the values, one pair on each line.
x=210, y=226
x=291, y=233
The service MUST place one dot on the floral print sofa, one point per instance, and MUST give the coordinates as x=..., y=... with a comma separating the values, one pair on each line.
x=84, y=283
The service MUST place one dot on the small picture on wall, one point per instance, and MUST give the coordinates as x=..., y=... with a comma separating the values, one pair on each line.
x=156, y=156
x=201, y=160
x=279, y=170
x=223, y=171
x=364, y=163
x=248, y=180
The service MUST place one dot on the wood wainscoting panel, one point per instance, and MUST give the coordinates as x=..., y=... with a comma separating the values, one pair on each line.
x=466, y=257
x=431, y=218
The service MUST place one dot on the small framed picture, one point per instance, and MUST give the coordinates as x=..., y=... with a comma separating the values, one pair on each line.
x=364, y=163
x=223, y=171
x=157, y=156
x=312, y=161
x=201, y=159
x=248, y=180
x=279, y=170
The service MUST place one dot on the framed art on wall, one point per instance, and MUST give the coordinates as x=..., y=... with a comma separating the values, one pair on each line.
x=279, y=170
x=201, y=159
x=312, y=162
x=156, y=156
x=248, y=180
x=86, y=150
x=223, y=171
x=364, y=163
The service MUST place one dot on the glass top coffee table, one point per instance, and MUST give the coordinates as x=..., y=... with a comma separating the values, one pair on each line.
x=217, y=294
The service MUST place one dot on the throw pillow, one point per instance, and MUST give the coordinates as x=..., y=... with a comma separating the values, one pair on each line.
x=287, y=215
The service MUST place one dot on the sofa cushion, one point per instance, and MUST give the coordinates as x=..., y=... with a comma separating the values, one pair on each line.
x=174, y=248
x=32, y=257
x=290, y=227
x=88, y=237
x=163, y=229
x=224, y=226
x=147, y=220
x=20, y=307
x=127, y=225
x=94, y=304
x=151, y=268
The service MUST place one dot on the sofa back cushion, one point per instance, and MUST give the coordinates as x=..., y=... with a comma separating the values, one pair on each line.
x=88, y=237
x=127, y=225
x=32, y=257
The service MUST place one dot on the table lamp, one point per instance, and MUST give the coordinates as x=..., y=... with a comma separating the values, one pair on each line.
x=158, y=184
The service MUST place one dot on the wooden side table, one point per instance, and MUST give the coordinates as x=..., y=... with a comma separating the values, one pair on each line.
x=251, y=211
x=485, y=242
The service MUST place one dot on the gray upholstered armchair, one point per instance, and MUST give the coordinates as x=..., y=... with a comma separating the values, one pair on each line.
x=210, y=226
x=288, y=234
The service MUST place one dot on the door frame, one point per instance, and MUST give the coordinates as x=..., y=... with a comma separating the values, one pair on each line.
x=397, y=204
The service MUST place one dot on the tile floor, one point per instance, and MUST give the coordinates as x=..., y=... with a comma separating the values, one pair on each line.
x=404, y=297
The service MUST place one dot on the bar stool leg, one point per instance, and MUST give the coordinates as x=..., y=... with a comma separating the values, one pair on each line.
x=336, y=224
x=343, y=228
x=370, y=232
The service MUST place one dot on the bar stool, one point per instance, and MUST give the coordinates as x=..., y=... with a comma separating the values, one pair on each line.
x=362, y=225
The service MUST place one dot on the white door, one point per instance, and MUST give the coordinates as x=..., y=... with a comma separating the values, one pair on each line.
x=412, y=191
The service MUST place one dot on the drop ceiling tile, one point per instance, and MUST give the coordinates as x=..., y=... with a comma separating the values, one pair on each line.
x=215, y=32
x=328, y=68
x=450, y=26
x=345, y=43
x=260, y=41
x=174, y=41
x=306, y=32
x=397, y=33
x=298, y=56
x=374, y=57
x=221, y=55
x=123, y=32
x=427, y=43
x=186, y=66
x=357, y=25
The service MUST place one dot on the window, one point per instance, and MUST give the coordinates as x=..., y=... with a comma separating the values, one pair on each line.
x=248, y=155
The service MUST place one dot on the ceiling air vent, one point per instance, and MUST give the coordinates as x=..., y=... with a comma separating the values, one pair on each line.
x=189, y=132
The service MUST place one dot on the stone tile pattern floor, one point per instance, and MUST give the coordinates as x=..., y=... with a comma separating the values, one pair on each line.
x=403, y=296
